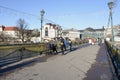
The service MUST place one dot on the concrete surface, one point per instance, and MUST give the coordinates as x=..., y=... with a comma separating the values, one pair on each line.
x=88, y=63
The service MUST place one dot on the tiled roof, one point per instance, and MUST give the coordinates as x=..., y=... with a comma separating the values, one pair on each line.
x=12, y=28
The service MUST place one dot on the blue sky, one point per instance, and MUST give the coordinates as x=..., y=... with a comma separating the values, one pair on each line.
x=78, y=14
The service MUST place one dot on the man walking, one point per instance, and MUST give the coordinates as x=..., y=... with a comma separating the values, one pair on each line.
x=70, y=44
x=62, y=44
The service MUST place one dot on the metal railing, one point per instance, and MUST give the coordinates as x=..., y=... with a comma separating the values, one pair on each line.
x=16, y=56
x=23, y=53
x=114, y=53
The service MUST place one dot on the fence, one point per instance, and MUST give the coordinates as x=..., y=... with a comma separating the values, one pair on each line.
x=23, y=52
x=17, y=55
x=20, y=52
x=114, y=53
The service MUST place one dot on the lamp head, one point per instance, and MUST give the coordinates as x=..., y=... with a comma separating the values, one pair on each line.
x=111, y=4
x=42, y=12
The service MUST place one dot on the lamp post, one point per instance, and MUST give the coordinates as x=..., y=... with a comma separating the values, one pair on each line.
x=42, y=14
x=110, y=5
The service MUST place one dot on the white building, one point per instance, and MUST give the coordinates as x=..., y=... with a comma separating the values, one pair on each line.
x=116, y=33
x=11, y=31
x=35, y=39
x=71, y=34
x=108, y=32
x=51, y=31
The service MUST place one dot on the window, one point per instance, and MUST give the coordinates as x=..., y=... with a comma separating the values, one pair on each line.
x=46, y=31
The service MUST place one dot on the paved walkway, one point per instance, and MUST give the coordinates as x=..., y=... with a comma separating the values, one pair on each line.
x=89, y=63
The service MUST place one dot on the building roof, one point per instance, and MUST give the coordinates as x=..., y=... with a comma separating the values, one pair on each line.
x=72, y=29
x=92, y=30
x=99, y=29
x=11, y=28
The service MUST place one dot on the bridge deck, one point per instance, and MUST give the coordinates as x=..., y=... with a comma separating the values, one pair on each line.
x=86, y=63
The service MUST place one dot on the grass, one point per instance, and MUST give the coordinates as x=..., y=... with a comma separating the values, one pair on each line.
x=4, y=50
x=36, y=48
x=8, y=47
x=30, y=47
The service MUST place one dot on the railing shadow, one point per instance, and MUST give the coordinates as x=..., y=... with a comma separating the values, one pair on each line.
x=32, y=61
x=99, y=69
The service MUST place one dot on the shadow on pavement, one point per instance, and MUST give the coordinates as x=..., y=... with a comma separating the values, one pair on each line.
x=100, y=70
x=24, y=64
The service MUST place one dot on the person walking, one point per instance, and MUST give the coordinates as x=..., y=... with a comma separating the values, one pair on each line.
x=93, y=41
x=62, y=45
x=70, y=44
x=65, y=43
x=51, y=47
x=54, y=49
x=99, y=41
x=90, y=41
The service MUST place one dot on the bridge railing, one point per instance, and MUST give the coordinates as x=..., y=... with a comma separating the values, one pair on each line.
x=114, y=53
x=24, y=52
x=14, y=53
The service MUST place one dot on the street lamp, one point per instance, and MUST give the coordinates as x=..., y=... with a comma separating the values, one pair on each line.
x=42, y=14
x=110, y=5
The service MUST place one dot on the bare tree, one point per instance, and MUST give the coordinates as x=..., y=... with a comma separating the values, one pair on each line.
x=35, y=33
x=22, y=29
x=28, y=34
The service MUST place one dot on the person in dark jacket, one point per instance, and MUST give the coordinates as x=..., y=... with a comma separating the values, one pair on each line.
x=53, y=48
x=62, y=45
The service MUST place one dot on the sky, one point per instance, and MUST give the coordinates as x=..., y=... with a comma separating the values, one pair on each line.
x=77, y=14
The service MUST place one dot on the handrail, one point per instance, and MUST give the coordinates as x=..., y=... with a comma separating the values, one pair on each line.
x=19, y=54
x=114, y=53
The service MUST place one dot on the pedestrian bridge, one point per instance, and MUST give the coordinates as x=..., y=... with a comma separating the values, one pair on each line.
x=86, y=62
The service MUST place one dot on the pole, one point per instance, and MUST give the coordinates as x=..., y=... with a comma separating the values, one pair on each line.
x=110, y=5
x=41, y=26
x=42, y=14
x=112, y=26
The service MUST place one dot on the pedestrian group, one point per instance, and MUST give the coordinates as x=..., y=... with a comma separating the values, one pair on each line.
x=64, y=44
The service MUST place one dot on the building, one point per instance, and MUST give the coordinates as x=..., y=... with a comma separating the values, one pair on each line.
x=92, y=33
x=12, y=34
x=71, y=34
x=116, y=33
x=116, y=30
x=10, y=31
x=51, y=31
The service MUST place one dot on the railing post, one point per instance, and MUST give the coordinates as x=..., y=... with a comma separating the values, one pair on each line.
x=21, y=52
x=118, y=64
